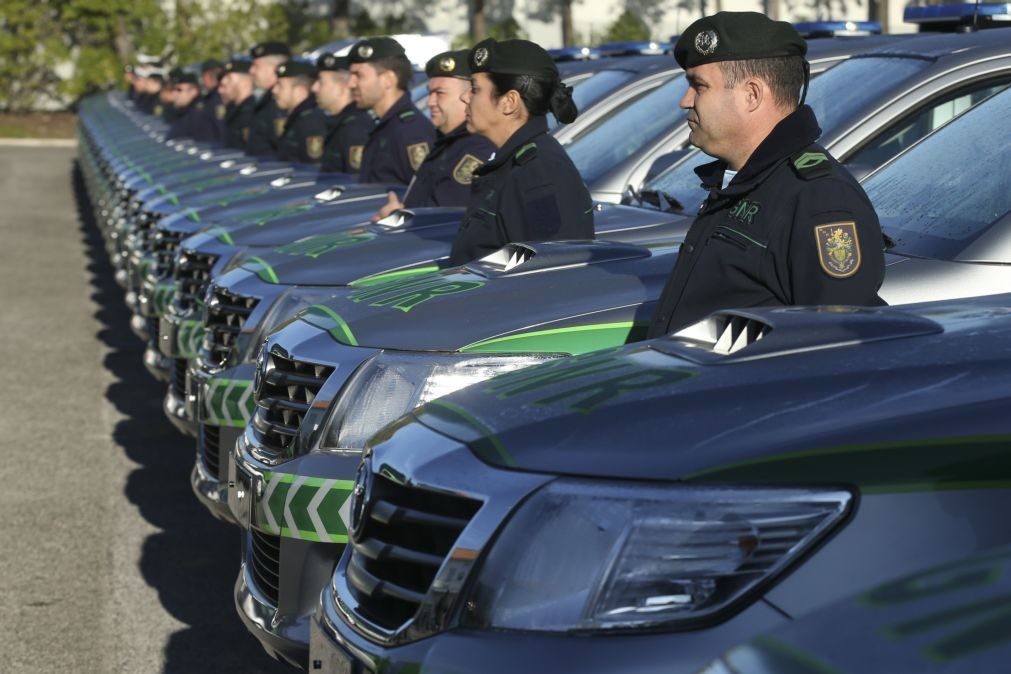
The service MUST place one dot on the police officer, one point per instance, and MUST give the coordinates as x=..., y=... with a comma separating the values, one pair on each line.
x=444, y=178
x=268, y=119
x=305, y=126
x=348, y=127
x=402, y=138
x=214, y=107
x=784, y=223
x=190, y=120
x=530, y=191
x=238, y=84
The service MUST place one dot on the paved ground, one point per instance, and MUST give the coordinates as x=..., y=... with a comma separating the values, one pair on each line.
x=107, y=562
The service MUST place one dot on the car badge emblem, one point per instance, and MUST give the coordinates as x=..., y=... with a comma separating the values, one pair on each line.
x=365, y=51
x=480, y=57
x=361, y=493
x=447, y=64
x=260, y=374
x=706, y=41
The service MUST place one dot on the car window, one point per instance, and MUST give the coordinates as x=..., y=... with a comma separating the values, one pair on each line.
x=628, y=129
x=591, y=89
x=841, y=91
x=906, y=132
x=943, y=193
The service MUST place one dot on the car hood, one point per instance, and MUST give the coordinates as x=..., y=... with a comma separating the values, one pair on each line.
x=810, y=397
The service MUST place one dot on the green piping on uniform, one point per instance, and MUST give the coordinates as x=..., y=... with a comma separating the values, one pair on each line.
x=308, y=508
x=975, y=462
x=325, y=318
x=571, y=340
x=488, y=447
x=228, y=402
x=376, y=279
x=262, y=269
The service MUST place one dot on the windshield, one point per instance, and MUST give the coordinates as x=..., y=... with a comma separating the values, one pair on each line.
x=627, y=130
x=874, y=74
x=945, y=192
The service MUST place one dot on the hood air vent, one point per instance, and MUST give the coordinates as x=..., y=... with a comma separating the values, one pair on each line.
x=724, y=333
x=550, y=255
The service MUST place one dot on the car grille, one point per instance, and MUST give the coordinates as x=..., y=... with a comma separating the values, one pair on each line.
x=193, y=273
x=226, y=314
x=285, y=396
x=408, y=534
x=147, y=223
x=266, y=563
x=164, y=247
x=211, y=445
x=153, y=326
x=177, y=381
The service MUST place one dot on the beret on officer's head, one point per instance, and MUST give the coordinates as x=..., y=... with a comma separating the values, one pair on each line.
x=333, y=63
x=297, y=68
x=270, y=49
x=736, y=36
x=210, y=64
x=238, y=66
x=449, y=64
x=185, y=78
x=512, y=57
x=375, y=48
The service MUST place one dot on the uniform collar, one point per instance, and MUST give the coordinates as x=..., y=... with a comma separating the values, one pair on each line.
x=403, y=104
x=537, y=125
x=447, y=138
x=308, y=104
x=793, y=133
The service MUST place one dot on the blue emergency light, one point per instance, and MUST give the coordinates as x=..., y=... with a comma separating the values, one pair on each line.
x=631, y=48
x=813, y=29
x=967, y=15
x=574, y=53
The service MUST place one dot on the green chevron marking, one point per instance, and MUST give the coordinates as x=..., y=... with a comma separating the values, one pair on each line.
x=325, y=318
x=189, y=335
x=314, y=246
x=376, y=279
x=228, y=402
x=572, y=340
x=222, y=235
x=307, y=508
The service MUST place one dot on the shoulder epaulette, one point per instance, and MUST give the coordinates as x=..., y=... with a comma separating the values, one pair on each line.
x=811, y=163
x=406, y=115
x=525, y=153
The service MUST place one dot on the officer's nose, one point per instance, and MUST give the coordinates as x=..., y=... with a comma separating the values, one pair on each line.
x=688, y=100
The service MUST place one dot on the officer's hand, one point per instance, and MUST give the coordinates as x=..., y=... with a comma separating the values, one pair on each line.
x=392, y=204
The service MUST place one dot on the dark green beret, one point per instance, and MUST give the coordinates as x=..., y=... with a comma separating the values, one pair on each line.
x=185, y=78
x=333, y=62
x=297, y=69
x=736, y=36
x=449, y=64
x=238, y=66
x=210, y=64
x=175, y=74
x=128, y=68
x=270, y=49
x=373, y=48
x=512, y=57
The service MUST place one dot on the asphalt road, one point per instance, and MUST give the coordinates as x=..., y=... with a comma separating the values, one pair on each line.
x=107, y=561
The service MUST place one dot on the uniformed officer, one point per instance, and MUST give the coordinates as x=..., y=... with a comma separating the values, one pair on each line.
x=348, y=127
x=380, y=76
x=784, y=223
x=238, y=84
x=214, y=108
x=167, y=96
x=530, y=191
x=190, y=120
x=305, y=126
x=268, y=119
x=130, y=79
x=444, y=178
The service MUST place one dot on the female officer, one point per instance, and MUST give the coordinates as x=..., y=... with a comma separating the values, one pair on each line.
x=529, y=190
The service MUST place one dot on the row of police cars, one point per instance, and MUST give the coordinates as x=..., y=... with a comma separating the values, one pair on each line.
x=485, y=468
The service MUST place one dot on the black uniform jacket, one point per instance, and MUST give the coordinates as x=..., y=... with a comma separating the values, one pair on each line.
x=192, y=122
x=347, y=133
x=215, y=110
x=793, y=227
x=266, y=127
x=445, y=177
x=398, y=144
x=530, y=191
x=238, y=119
x=304, y=134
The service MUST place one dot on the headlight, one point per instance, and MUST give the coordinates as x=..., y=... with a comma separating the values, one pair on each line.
x=583, y=555
x=392, y=384
x=284, y=310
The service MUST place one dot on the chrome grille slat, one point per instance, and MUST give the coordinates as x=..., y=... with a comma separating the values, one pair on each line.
x=192, y=274
x=284, y=398
x=211, y=436
x=178, y=377
x=402, y=545
x=223, y=322
x=265, y=559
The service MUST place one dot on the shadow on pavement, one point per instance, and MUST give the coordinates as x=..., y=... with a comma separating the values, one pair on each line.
x=193, y=561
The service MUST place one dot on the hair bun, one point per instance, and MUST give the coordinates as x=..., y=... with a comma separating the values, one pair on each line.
x=562, y=105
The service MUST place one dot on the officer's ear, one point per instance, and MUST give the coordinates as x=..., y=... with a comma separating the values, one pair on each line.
x=510, y=103
x=755, y=92
x=388, y=78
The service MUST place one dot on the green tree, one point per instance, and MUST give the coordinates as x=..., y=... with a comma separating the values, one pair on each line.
x=31, y=47
x=628, y=27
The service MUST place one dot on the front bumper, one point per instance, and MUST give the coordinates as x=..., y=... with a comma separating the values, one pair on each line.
x=158, y=365
x=174, y=406
x=180, y=336
x=209, y=477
